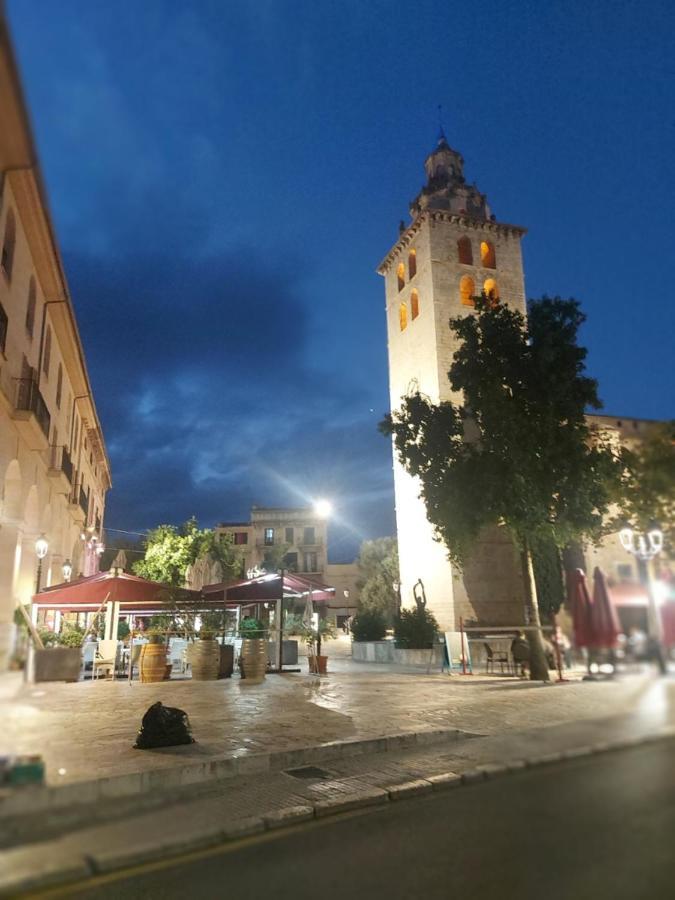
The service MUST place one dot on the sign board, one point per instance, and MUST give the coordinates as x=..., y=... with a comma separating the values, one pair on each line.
x=453, y=643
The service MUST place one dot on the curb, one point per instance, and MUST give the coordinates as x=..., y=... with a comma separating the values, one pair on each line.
x=31, y=799
x=21, y=861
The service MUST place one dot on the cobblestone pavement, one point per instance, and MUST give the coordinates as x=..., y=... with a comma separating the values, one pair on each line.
x=86, y=730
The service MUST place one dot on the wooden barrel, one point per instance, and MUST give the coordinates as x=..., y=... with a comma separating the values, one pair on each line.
x=205, y=660
x=254, y=659
x=153, y=662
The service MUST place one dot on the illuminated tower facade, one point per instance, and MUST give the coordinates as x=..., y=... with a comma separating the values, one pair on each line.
x=453, y=249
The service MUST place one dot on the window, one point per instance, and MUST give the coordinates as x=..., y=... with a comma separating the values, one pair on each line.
x=269, y=537
x=491, y=289
x=624, y=570
x=414, y=304
x=487, y=255
x=240, y=538
x=310, y=562
x=467, y=290
x=46, y=359
x=464, y=252
x=8, y=245
x=412, y=264
x=403, y=316
x=59, y=386
x=291, y=561
x=400, y=276
x=30, y=308
x=309, y=536
x=289, y=536
x=4, y=322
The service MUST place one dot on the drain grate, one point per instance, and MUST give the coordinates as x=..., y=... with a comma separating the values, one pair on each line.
x=309, y=773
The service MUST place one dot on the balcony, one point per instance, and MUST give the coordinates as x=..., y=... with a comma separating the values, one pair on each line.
x=60, y=469
x=31, y=414
x=77, y=504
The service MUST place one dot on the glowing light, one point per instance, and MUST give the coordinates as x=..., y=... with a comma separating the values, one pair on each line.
x=323, y=508
x=41, y=547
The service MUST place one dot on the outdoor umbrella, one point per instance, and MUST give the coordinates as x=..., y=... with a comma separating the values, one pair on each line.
x=580, y=604
x=604, y=620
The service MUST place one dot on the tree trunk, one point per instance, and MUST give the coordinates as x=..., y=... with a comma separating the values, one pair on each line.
x=538, y=664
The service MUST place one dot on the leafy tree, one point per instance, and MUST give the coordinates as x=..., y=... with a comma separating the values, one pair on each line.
x=378, y=573
x=415, y=629
x=170, y=550
x=648, y=488
x=369, y=625
x=514, y=448
x=275, y=558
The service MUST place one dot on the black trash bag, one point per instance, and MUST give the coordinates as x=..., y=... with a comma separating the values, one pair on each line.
x=163, y=726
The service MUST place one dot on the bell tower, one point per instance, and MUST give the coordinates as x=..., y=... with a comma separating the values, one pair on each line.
x=453, y=249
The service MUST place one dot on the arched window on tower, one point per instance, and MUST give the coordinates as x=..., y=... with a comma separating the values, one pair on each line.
x=487, y=255
x=402, y=316
x=464, y=251
x=30, y=308
x=467, y=290
x=8, y=245
x=400, y=275
x=412, y=264
x=414, y=304
x=491, y=289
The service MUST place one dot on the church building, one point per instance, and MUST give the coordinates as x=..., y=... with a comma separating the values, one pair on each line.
x=453, y=250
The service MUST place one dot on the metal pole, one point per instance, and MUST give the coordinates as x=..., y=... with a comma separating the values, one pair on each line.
x=461, y=634
x=281, y=621
x=39, y=576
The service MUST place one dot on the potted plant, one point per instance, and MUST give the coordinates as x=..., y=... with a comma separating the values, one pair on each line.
x=253, y=657
x=313, y=638
x=61, y=660
x=153, y=665
x=369, y=630
x=205, y=656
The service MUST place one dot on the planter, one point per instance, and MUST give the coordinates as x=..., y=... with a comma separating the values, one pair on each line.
x=153, y=665
x=57, y=664
x=253, y=660
x=289, y=653
x=373, y=651
x=423, y=657
x=226, y=661
x=205, y=660
x=317, y=664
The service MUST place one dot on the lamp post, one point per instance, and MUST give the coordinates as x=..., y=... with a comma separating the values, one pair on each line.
x=644, y=547
x=41, y=550
x=67, y=570
x=397, y=587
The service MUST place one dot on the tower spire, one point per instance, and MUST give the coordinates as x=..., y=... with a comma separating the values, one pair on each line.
x=441, y=132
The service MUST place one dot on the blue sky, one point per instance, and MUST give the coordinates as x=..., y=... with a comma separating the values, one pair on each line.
x=224, y=178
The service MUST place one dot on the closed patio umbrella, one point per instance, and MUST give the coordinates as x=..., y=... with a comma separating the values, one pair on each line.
x=604, y=619
x=580, y=604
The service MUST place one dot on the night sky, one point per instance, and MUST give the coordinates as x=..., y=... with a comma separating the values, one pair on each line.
x=225, y=177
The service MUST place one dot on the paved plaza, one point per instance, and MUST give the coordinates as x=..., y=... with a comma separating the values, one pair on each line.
x=86, y=730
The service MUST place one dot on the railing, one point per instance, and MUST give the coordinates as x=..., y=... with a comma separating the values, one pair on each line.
x=29, y=398
x=83, y=500
x=60, y=459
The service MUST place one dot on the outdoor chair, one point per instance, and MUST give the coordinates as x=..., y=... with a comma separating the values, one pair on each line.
x=501, y=658
x=105, y=658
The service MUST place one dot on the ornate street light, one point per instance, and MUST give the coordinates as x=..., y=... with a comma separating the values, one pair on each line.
x=644, y=547
x=41, y=550
x=67, y=570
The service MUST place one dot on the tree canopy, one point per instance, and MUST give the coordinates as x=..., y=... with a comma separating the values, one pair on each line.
x=170, y=550
x=514, y=448
x=378, y=573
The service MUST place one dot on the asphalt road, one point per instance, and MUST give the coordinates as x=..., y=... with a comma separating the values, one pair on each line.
x=599, y=827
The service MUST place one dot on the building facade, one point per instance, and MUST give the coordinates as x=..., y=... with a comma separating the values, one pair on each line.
x=54, y=471
x=295, y=537
x=453, y=250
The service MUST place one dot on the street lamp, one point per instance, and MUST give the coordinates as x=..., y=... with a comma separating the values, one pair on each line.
x=41, y=549
x=644, y=547
x=67, y=570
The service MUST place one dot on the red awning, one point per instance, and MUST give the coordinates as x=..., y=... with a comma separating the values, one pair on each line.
x=628, y=593
x=269, y=587
x=131, y=592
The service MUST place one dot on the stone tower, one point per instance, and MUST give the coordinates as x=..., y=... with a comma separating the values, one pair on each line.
x=453, y=249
